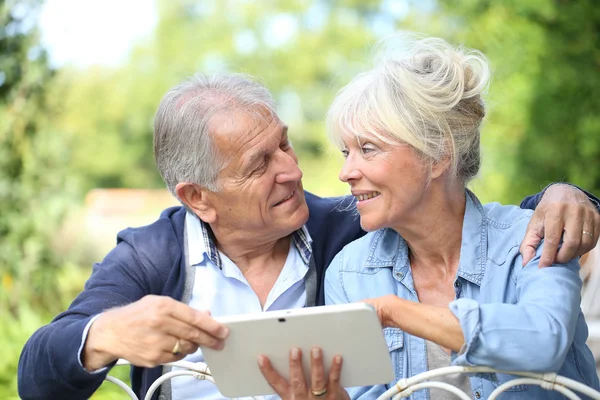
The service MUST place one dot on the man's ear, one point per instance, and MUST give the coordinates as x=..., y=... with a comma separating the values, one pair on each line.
x=196, y=198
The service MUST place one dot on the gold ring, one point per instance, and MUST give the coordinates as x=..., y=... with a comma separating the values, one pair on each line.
x=176, y=348
x=588, y=233
x=319, y=393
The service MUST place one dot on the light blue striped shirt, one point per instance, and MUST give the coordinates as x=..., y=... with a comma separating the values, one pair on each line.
x=219, y=286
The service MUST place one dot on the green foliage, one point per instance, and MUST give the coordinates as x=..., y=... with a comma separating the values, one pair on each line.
x=565, y=104
x=322, y=46
x=34, y=189
x=32, y=163
x=95, y=124
x=543, y=124
x=545, y=74
x=13, y=334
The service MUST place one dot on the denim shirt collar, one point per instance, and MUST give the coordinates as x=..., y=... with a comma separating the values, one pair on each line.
x=389, y=249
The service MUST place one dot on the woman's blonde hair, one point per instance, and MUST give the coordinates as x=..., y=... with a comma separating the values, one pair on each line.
x=423, y=92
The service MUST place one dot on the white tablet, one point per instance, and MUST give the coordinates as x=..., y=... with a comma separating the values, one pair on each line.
x=350, y=330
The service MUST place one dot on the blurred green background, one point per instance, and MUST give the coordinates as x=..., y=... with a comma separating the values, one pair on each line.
x=68, y=129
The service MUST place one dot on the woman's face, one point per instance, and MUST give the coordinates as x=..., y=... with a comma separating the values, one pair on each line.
x=389, y=181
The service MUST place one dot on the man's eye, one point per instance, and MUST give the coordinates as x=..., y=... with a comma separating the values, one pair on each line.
x=286, y=145
x=260, y=169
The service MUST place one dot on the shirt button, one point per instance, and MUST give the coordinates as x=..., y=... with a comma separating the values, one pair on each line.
x=399, y=275
x=457, y=283
x=478, y=394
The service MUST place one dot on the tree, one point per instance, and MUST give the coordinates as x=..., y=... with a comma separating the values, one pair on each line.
x=33, y=187
x=304, y=51
x=563, y=140
x=543, y=123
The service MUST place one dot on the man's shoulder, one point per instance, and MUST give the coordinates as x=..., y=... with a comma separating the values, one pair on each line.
x=330, y=207
x=338, y=212
x=163, y=236
x=332, y=223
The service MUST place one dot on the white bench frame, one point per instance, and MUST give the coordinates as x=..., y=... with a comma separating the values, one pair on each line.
x=404, y=387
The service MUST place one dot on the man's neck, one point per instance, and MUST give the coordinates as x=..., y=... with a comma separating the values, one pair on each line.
x=256, y=255
x=261, y=263
x=261, y=251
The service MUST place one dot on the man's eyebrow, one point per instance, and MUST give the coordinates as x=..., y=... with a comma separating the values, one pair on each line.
x=255, y=158
x=258, y=156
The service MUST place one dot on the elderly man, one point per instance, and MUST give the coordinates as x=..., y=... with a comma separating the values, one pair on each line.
x=247, y=239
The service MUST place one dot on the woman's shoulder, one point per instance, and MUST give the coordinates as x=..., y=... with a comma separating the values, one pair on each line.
x=507, y=220
x=506, y=227
x=376, y=249
x=506, y=216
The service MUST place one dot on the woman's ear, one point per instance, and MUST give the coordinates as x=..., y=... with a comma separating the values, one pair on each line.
x=196, y=198
x=438, y=168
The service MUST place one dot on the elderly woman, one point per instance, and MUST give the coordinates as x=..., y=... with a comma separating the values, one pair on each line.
x=444, y=271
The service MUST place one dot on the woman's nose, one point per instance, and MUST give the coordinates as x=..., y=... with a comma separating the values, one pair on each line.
x=349, y=171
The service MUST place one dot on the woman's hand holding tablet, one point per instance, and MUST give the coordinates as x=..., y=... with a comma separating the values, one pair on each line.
x=322, y=386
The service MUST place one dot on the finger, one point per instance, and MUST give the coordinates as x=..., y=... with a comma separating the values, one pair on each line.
x=275, y=380
x=553, y=229
x=591, y=225
x=185, y=347
x=335, y=375
x=317, y=380
x=177, y=328
x=587, y=239
x=297, y=381
x=199, y=318
x=532, y=239
x=596, y=228
x=152, y=356
x=572, y=237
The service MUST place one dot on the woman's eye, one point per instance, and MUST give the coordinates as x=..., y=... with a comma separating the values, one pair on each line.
x=367, y=149
x=345, y=153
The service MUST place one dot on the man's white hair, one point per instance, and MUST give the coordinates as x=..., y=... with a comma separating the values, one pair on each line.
x=423, y=92
x=183, y=143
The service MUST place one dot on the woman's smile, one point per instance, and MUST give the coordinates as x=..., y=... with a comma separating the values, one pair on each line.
x=366, y=198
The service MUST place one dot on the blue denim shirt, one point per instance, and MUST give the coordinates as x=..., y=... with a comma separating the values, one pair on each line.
x=513, y=318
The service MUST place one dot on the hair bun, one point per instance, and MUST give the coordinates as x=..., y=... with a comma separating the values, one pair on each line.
x=433, y=70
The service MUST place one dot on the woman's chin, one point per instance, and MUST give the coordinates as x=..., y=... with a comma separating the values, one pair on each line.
x=369, y=226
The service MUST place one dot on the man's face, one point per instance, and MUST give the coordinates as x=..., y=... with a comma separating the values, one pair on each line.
x=260, y=188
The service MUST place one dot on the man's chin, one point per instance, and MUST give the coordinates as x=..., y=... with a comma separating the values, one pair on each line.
x=300, y=216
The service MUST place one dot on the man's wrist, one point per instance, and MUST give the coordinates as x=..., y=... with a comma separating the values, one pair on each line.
x=556, y=185
x=590, y=198
x=96, y=349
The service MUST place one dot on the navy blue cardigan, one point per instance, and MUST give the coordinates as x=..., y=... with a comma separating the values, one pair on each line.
x=149, y=260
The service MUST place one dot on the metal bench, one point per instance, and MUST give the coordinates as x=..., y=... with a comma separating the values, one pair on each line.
x=404, y=387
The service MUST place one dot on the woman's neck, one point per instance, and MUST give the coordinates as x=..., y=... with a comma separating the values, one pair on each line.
x=434, y=234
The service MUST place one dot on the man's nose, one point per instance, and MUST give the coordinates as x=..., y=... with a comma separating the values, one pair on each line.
x=289, y=171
